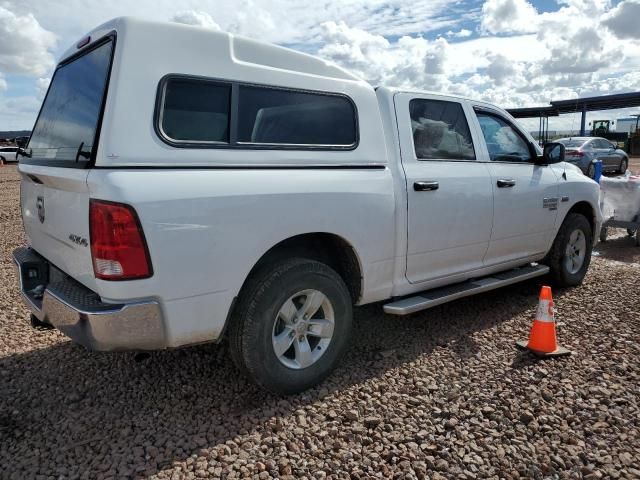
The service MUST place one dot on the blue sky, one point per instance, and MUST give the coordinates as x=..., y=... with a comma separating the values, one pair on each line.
x=509, y=52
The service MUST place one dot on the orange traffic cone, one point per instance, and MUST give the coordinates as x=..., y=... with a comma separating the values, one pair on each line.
x=542, y=339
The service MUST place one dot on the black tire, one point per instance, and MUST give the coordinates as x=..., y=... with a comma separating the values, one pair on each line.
x=603, y=234
x=591, y=171
x=556, y=258
x=623, y=165
x=250, y=333
x=630, y=232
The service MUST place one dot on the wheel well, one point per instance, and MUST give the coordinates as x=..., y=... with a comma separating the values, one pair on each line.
x=584, y=208
x=327, y=248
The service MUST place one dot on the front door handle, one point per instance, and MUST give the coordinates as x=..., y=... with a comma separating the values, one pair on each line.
x=506, y=183
x=425, y=186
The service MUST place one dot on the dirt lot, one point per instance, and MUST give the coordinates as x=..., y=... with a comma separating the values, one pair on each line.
x=442, y=393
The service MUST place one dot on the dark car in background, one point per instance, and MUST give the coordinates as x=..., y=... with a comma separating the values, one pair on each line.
x=584, y=151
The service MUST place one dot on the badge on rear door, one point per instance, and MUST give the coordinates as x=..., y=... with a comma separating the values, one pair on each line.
x=40, y=205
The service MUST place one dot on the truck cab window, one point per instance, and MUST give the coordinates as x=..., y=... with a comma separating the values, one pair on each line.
x=440, y=130
x=504, y=143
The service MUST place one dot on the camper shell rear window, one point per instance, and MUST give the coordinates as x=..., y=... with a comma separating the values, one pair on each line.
x=195, y=112
x=67, y=129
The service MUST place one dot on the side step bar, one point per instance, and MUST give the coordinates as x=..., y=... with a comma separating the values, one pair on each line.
x=438, y=296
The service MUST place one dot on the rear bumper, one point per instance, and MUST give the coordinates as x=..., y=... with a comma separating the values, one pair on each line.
x=80, y=314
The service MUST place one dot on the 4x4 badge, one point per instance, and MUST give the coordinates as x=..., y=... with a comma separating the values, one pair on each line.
x=40, y=205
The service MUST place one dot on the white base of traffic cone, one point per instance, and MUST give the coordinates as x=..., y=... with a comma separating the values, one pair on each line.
x=558, y=352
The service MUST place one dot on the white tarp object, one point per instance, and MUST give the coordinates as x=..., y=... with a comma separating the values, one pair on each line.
x=620, y=198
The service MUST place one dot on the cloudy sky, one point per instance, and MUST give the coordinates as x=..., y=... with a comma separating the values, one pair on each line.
x=514, y=53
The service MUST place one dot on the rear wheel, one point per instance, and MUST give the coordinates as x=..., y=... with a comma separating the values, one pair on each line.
x=570, y=254
x=591, y=171
x=291, y=325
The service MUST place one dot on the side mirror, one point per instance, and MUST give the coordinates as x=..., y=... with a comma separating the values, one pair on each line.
x=553, y=153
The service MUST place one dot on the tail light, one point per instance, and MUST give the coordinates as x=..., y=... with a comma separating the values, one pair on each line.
x=118, y=247
x=574, y=153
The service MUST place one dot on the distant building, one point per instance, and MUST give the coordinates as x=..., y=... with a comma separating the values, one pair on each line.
x=626, y=125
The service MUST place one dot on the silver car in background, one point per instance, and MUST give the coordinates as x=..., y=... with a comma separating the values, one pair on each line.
x=584, y=151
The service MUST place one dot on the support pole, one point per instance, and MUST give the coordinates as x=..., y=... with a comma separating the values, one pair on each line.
x=583, y=121
x=540, y=129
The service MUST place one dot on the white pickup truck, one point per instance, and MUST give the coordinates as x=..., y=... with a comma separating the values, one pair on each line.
x=183, y=185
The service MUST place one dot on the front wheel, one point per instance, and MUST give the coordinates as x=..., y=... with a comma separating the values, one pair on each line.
x=291, y=325
x=623, y=166
x=570, y=253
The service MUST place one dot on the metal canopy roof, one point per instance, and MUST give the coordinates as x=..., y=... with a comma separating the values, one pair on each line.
x=533, y=112
x=588, y=104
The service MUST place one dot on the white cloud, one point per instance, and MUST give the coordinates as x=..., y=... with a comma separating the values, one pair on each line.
x=17, y=113
x=623, y=19
x=460, y=34
x=25, y=45
x=509, y=16
x=42, y=84
x=507, y=52
x=197, y=18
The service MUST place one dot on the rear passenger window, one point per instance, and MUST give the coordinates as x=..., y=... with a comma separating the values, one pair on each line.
x=196, y=110
x=440, y=130
x=285, y=117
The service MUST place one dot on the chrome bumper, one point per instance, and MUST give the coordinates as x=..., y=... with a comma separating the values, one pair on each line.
x=79, y=313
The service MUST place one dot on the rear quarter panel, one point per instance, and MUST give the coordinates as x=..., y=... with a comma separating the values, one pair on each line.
x=207, y=228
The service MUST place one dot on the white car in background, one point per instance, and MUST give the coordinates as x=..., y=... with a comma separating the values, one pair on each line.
x=8, y=154
x=183, y=185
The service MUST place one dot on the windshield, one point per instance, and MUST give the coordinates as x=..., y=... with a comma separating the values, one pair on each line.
x=66, y=127
x=572, y=143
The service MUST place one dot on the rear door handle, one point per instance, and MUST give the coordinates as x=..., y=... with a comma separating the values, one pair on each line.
x=426, y=186
x=506, y=183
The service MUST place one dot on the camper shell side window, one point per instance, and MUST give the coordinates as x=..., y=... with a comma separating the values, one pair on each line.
x=196, y=112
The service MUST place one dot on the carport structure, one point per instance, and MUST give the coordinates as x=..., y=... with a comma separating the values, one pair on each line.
x=582, y=105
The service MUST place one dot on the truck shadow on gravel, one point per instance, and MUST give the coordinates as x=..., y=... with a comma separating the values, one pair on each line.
x=619, y=247
x=87, y=411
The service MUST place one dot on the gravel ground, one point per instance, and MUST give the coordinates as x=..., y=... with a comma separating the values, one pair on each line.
x=440, y=394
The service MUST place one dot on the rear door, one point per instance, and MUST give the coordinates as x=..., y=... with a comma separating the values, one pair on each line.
x=450, y=199
x=525, y=195
x=54, y=192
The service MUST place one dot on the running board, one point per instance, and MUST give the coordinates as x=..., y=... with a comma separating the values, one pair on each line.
x=438, y=296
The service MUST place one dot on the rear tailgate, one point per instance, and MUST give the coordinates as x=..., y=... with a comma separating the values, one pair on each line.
x=55, y=211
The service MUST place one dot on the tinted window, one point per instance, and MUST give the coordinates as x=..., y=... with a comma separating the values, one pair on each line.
x=71, y=109
x=196, y=110
x=440, y=130
x=276, y=116
x=503, y=141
